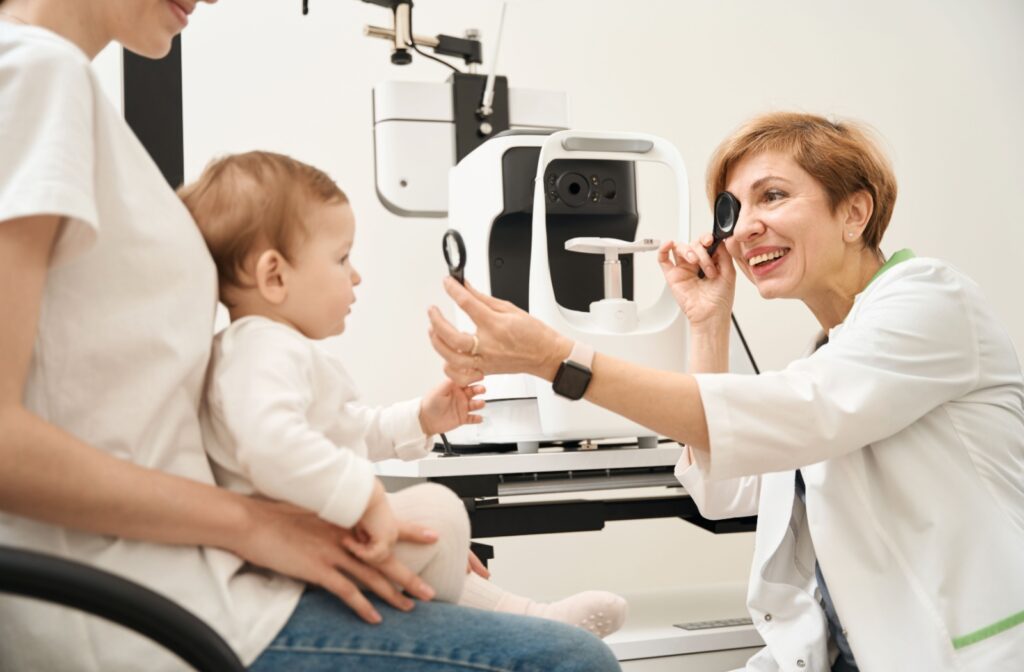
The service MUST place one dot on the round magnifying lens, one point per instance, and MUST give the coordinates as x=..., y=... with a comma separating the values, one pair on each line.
x=451, y=249
x=454, y=253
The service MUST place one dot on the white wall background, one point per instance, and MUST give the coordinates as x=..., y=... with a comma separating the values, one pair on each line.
x=941, y=80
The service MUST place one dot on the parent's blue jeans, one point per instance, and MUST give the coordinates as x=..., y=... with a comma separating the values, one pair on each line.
x=324, y=635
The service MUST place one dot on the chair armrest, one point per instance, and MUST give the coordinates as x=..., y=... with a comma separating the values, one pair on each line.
x=118, y=600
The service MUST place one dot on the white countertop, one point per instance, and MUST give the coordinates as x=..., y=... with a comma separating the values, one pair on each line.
x=434, y=465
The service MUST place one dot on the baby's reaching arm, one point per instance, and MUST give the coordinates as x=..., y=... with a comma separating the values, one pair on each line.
x=448, y=406
x=405, y=430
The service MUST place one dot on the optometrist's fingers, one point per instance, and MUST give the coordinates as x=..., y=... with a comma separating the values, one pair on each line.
x=724, y=262
x=474, y=307
x=666, y=262
x=674, y=264
x=699, y=252
x=453, y=357
x=498, y=305
x=455, y=340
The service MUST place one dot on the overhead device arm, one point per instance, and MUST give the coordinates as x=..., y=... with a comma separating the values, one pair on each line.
x=468, y=48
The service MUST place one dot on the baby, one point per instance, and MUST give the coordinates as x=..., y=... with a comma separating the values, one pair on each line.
x=281, y=417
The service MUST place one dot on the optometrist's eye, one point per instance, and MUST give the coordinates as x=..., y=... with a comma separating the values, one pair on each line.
x=343, y=260
x=772, y=195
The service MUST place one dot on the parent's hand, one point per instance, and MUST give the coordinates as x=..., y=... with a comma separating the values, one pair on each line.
x=508, y=339
x=295, y=542
x=705, y=301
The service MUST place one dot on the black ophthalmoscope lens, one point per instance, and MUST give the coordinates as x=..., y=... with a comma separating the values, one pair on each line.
x=727, y=211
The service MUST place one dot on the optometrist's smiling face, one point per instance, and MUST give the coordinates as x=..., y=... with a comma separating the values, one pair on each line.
x=788, y=241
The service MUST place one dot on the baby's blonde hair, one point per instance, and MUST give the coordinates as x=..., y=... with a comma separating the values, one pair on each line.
x=247, y=203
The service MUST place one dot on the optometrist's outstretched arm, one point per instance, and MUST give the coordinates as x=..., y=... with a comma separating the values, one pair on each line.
x=49, y=475
x=512, y=341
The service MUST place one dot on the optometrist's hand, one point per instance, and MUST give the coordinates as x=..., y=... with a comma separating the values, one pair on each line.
x=448, y=406
x=705, y=301
x=508, y=340
x=296, y=542
x=374, y=536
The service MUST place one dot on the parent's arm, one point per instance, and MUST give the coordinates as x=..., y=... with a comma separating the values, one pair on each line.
x=49, y=475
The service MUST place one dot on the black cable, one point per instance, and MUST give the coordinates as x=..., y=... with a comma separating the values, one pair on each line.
x=412, y=45
x=448, y=452
x=743, y=340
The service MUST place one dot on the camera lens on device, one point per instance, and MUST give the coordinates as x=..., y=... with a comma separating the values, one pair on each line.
x=572, y=189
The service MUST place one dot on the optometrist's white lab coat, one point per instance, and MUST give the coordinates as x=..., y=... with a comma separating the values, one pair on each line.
x=908, y=427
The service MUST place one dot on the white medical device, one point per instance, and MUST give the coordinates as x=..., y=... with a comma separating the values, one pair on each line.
x=549, y=223
x=612, y=313
x=549, y=218
x=420, y=130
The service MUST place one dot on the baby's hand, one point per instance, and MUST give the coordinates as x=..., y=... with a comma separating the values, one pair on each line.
x=374, y=536
x=449, y=406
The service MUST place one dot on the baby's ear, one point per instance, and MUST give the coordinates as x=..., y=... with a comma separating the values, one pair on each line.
x=270, y=269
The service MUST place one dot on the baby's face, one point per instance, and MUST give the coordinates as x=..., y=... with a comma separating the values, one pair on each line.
x=321, y=286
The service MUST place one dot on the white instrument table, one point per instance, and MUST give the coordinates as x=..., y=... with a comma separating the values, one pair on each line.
x=483, y=480
x=546, y=460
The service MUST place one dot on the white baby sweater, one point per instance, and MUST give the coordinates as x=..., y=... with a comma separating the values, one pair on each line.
x=280, y=418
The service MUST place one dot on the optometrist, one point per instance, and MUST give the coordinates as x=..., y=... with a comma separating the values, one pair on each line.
x=886, y=467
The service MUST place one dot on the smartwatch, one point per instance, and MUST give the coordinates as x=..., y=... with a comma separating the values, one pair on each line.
x=574, y=374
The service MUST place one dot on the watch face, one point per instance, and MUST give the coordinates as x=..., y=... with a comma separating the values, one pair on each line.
x=571, y=380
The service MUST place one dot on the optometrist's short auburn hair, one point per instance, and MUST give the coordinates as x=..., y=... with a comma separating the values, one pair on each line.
x=247, y=203
x=842, y=156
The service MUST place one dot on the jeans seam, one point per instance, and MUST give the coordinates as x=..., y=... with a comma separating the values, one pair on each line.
x=386, y=654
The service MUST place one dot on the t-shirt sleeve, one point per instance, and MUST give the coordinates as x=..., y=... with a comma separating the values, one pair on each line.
x=911, y=348
x=47, y=137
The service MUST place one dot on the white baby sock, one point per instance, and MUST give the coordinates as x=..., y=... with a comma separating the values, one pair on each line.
x=596, y=611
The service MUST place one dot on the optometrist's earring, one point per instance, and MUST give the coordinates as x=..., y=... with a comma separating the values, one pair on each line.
x=850, y=234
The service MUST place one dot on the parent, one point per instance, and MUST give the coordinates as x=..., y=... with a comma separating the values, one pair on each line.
x=107, y=297
x=887, y=467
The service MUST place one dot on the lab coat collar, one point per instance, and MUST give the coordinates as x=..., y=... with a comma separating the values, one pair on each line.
x=897, y=258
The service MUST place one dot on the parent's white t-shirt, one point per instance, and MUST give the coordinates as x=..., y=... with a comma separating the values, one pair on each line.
x=119, y=360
